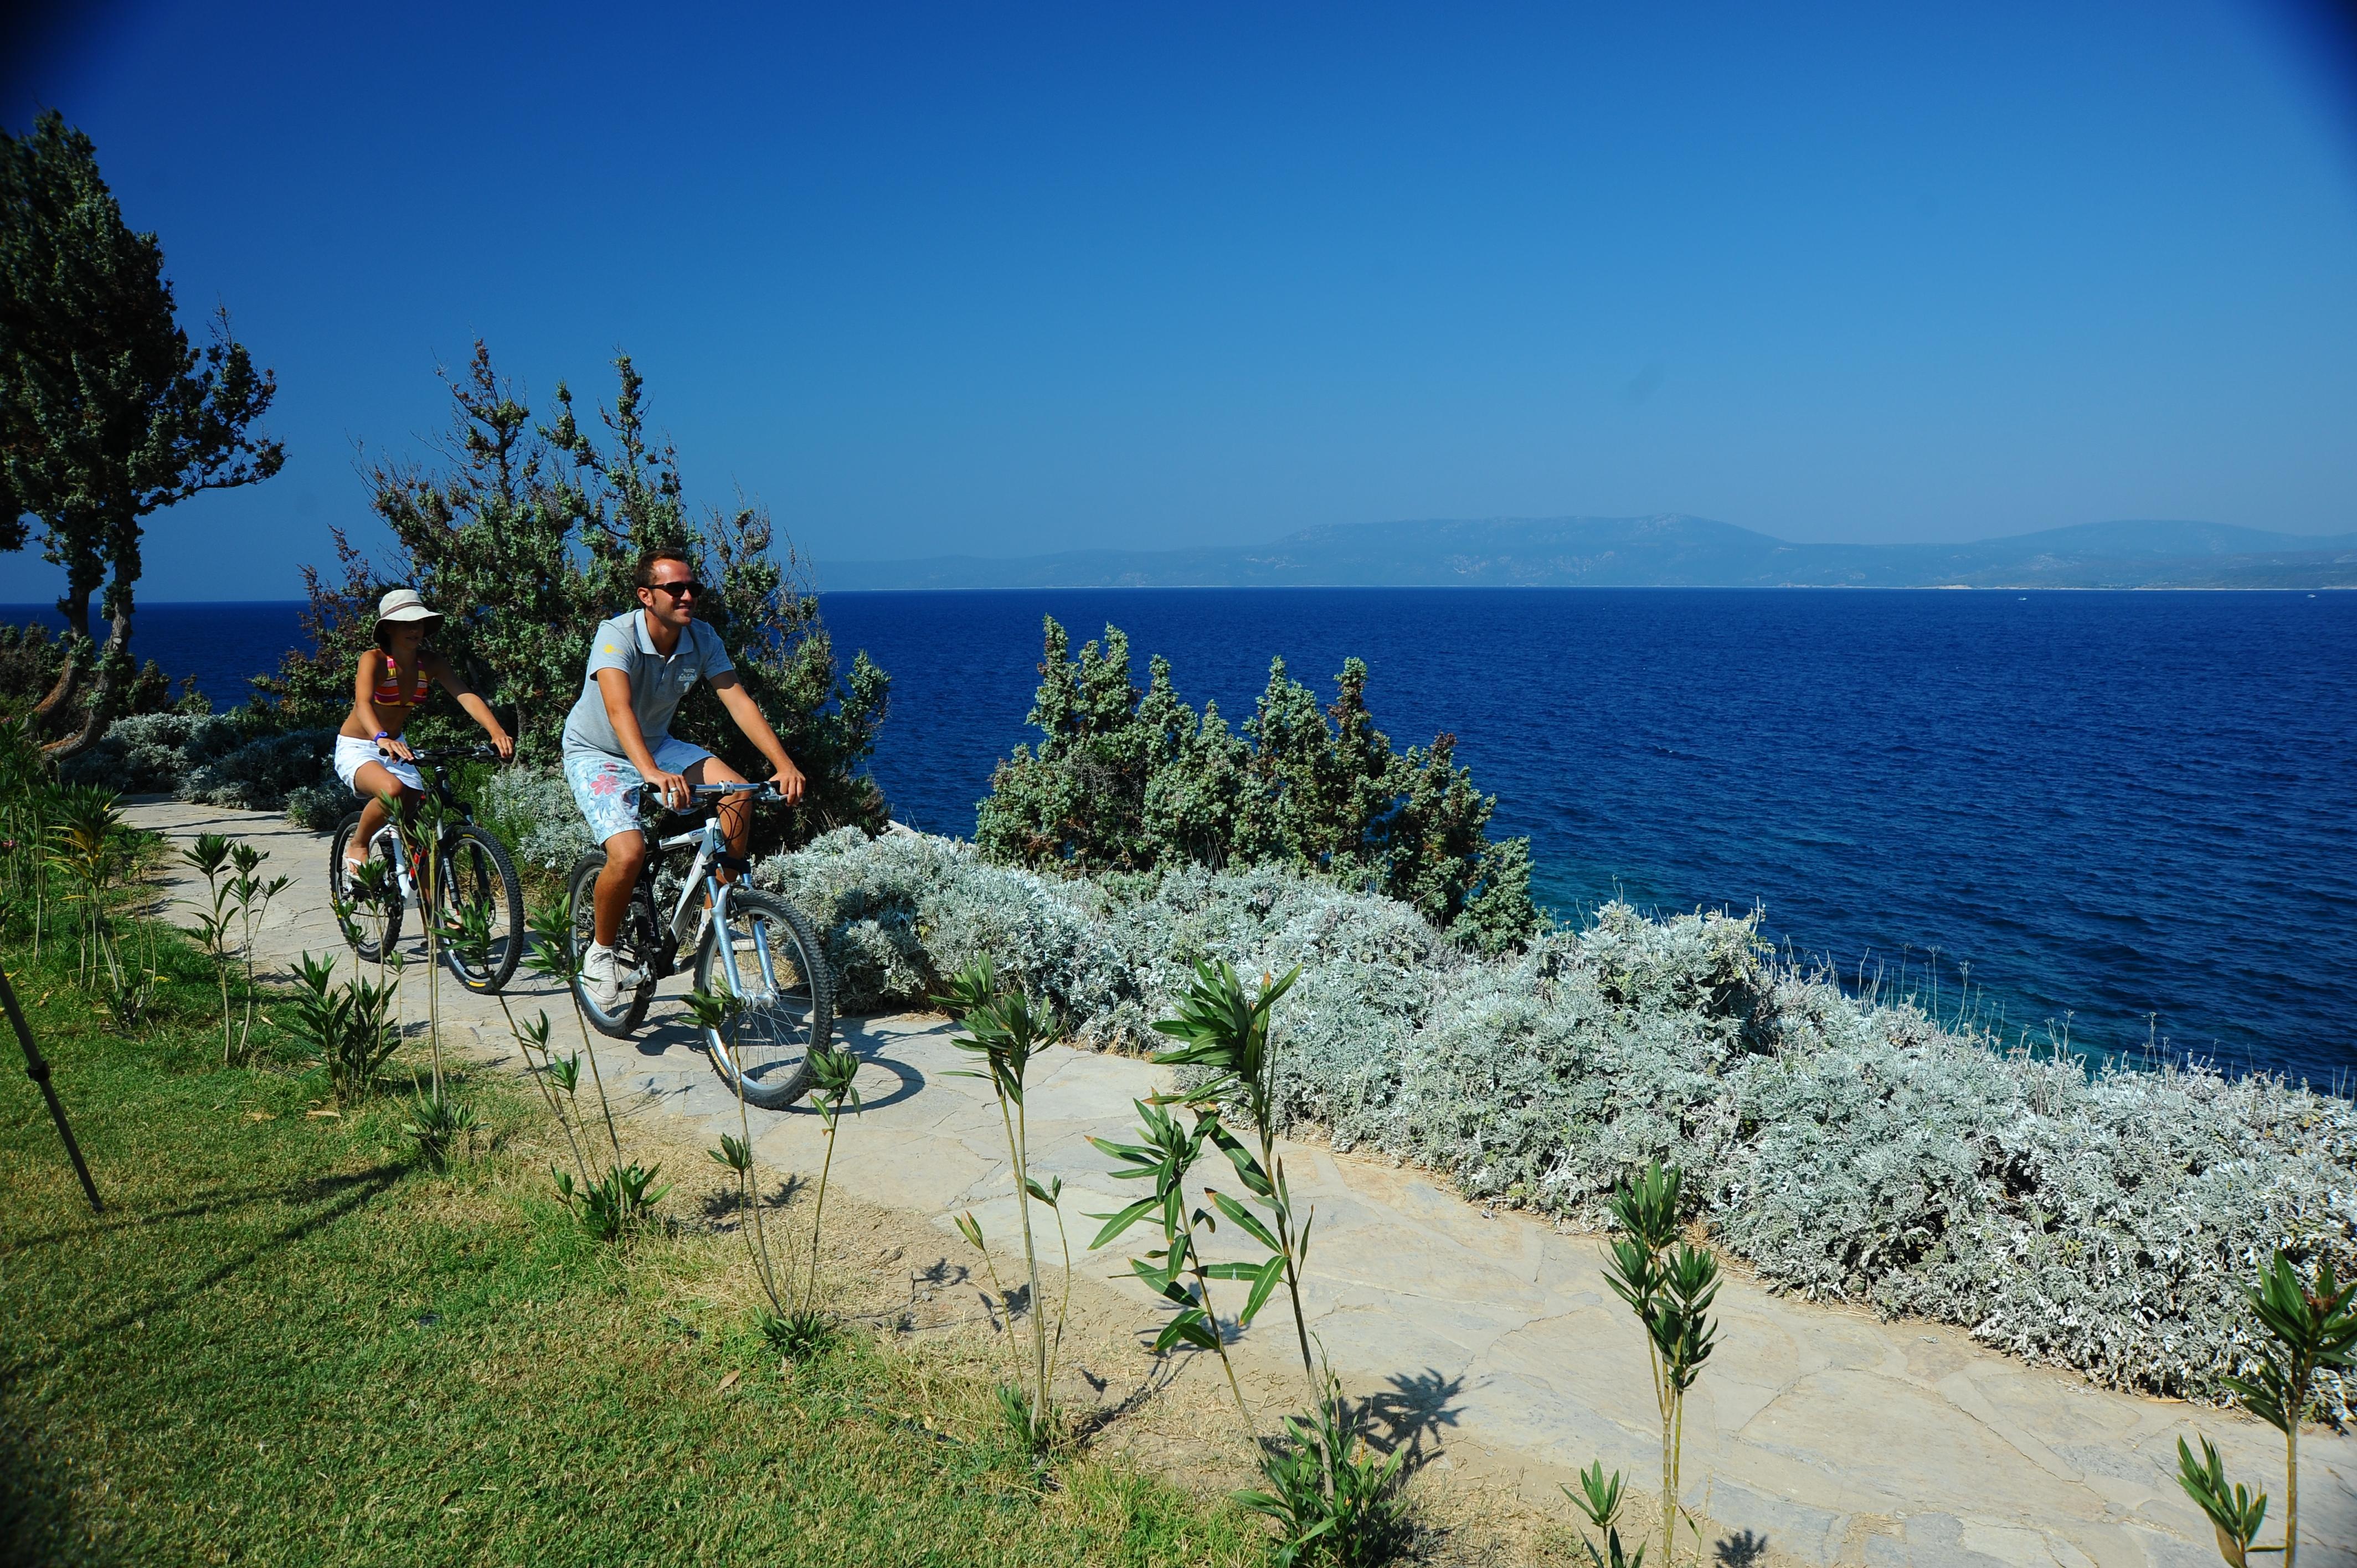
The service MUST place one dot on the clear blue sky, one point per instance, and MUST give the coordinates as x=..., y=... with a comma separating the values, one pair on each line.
x=1006, y=279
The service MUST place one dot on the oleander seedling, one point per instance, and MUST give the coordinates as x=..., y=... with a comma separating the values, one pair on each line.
x=1004, y=1030
x=435, y=1125
x=2311, y=1327
x=794, y=1321
x=1330, y=1499
x=349, y=1025
x=621, y=1196
x=419, y=831
x=1670, y=1284
x=1599, y=1499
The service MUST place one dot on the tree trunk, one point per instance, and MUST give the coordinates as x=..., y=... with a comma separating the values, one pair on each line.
x=74, y=605
x=113, y=667
x=51, y=710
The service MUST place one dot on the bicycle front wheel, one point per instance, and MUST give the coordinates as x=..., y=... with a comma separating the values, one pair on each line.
x=373, y=923
x=481, y=905
x=633, y=949
x=767, y=958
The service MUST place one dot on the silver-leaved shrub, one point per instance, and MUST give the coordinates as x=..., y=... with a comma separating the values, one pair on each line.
x=1849, y=1149
x=532, y=809
x=210, y=758
x=153, y=753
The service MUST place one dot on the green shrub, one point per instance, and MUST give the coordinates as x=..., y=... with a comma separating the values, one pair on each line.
x=1124, y=780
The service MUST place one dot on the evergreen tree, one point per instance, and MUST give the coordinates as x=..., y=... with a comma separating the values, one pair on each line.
x=1124, y=780
x=525, y=536
x=107, y=411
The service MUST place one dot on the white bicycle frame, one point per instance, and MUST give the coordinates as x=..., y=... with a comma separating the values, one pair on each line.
x=710, y=845
x=391, y=837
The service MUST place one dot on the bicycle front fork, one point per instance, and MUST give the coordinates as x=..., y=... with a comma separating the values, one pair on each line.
x=401, y=866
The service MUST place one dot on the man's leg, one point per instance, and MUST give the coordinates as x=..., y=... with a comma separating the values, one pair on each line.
x=625, y=852
x=736, y=810
x=603, y=788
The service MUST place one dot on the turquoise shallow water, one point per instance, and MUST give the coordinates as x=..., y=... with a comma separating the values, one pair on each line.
x=2136, y=812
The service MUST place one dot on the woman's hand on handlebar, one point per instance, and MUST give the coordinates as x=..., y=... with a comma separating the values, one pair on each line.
x=393, y=745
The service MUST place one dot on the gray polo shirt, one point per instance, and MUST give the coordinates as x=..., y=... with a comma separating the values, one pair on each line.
x=657, y=683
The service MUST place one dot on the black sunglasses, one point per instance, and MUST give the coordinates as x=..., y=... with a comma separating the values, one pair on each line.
x=687, y=588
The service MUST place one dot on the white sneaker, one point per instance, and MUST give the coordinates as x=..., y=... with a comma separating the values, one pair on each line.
x=599, y=980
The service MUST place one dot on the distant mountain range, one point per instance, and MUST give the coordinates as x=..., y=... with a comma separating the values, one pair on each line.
x=1667, y=552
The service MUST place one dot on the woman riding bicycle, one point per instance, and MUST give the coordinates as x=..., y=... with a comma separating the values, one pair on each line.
x=388, y=691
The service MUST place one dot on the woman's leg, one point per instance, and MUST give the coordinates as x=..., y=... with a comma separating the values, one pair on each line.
x=373, y=780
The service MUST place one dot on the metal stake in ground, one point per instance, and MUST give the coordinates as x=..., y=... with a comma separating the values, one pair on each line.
x=36, y=1067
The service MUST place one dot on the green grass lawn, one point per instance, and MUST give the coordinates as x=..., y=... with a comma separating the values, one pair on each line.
x=285, y=1343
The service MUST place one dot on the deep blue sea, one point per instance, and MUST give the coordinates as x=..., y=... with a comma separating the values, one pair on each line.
x=2131, y=814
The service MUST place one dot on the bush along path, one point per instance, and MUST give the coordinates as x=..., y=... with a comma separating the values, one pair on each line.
x=1886, y=1150
x=1814, y=1434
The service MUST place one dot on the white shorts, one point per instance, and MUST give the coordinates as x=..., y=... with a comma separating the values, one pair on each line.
x=352, y=754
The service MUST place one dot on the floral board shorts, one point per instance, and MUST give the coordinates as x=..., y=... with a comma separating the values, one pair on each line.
x=606, y=788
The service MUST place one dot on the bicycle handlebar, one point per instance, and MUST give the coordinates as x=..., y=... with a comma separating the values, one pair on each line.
x=652, y=804
x=452, y=754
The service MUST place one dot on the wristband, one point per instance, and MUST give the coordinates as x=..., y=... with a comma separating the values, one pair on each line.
x=382, y=735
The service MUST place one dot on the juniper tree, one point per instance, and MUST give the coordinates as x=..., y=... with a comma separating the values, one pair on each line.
x=108, y=413
x=1131, y=780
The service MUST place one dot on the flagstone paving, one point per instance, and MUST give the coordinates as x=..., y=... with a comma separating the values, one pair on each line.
x=1822, y=1434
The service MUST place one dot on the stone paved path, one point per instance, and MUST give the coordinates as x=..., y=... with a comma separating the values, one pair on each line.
x=1828, y=1436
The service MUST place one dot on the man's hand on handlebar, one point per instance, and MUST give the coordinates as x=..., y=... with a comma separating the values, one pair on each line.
x=788, y=783
x=505, y=745
x=671, y=788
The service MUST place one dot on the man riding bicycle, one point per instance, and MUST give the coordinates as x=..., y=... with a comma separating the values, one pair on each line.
x=617, y=740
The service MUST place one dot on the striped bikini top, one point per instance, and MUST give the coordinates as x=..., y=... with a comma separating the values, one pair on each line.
x=388, y=690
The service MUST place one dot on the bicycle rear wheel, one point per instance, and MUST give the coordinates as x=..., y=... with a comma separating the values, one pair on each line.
x=634, y=949
x=374, y=928
x=768, y=959
x=480, y=897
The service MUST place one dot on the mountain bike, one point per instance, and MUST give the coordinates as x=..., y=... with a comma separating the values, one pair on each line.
x=471, y=873
x=750, y=947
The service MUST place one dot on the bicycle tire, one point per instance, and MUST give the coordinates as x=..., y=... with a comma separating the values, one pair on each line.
x=475, y=868
x=633, y=948
x=789, y=1013
x=370, y=945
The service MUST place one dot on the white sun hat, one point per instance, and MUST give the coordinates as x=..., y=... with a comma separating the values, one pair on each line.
x=403, y=605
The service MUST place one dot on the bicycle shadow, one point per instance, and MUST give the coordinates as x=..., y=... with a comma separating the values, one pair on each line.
x=868, y=1046
x=677, y=1033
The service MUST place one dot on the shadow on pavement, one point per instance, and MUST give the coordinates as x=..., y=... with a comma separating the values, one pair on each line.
x=1741, y=1550
x=1410, y=1414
